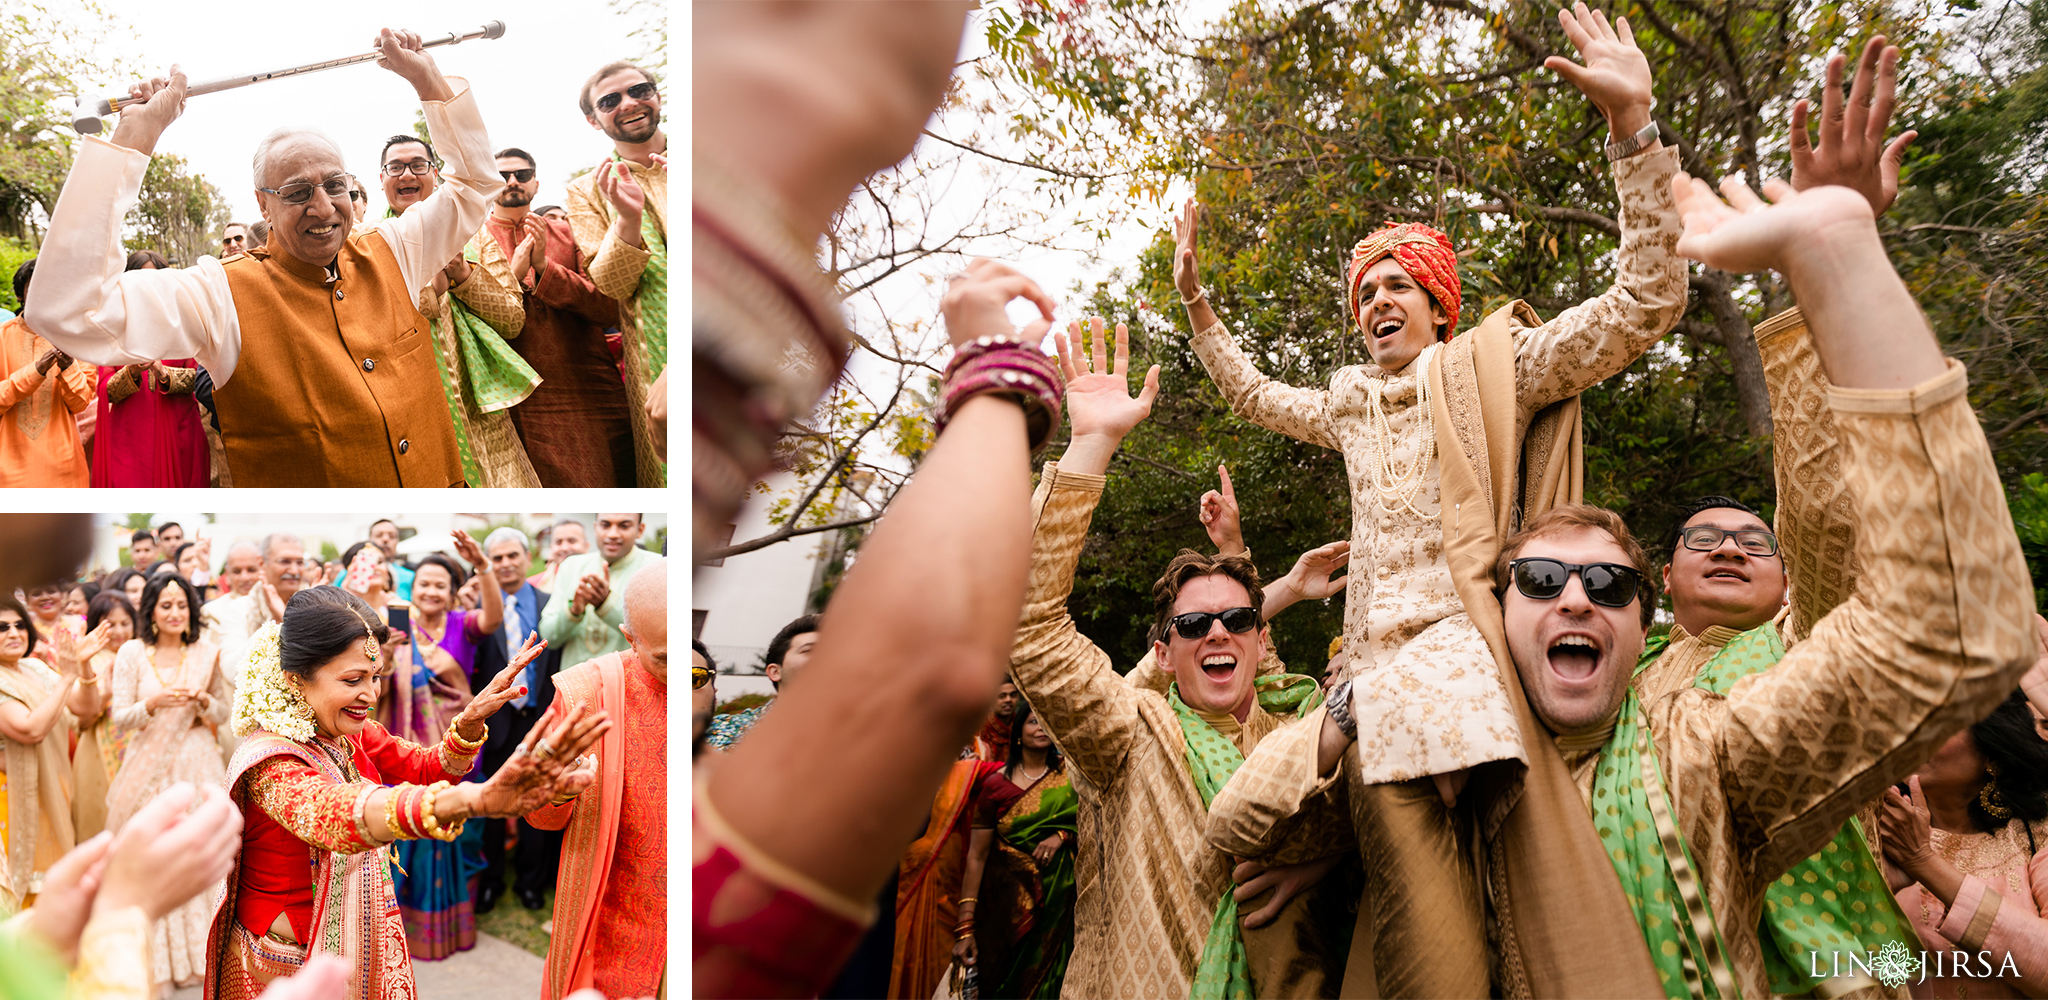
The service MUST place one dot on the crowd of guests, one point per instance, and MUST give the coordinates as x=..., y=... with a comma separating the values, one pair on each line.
x=435, y=728
x=546, y=329
x=1822, y=772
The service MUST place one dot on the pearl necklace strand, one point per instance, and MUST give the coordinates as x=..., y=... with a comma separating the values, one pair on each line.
x=1396, y=490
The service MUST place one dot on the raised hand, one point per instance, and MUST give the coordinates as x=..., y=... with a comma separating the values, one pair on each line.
x=1743, y=234
x=1851, y=151
x=537, y=240
x=92, y=644
x=1187, y=278
x=528, y=779
x=1099, y=394
x=469, y=550
x=172, y=849
x=977, y=300
x=1616, y=75
x=401, y=53
x=274, y=600
x=1220, y=518
x=152, y=107
x=1311, y=576
x=615, y=181
x=469, y=724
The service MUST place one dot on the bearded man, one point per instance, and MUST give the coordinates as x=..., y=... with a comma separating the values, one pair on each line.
x=1448, y=444
x=323, y=374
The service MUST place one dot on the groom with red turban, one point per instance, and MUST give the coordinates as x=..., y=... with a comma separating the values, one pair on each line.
x=1449, y=442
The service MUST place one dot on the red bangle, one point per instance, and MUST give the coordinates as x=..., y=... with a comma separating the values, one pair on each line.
x=1013, y=368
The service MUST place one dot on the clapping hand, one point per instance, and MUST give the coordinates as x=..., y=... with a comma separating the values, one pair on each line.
x=1220, y=517
x=1852, y=151
x=171, y=850
x=592, y=591
x=615, y=181
x=273, y=600
x=1616, y=75
x=1099, y=398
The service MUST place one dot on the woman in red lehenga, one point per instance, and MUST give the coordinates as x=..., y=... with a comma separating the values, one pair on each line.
x=317, y=777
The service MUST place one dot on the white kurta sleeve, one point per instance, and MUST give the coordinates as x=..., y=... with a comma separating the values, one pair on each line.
x=430, y=234
x=83, y=302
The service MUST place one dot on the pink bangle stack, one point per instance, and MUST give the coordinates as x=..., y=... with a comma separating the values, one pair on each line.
x=1011, y=367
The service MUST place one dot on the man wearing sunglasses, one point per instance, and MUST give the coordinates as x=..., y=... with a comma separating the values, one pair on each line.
x=1702, y=797
x=619, y=214
x=1153, y=758
x=577, y=425
x=322, y=369
x=471, y=306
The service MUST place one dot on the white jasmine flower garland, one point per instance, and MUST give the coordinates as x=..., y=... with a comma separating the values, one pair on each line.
x=265, y=699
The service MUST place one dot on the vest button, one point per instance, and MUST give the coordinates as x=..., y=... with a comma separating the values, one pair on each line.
x=404, y=446
x=369, y=364
x=337, y=295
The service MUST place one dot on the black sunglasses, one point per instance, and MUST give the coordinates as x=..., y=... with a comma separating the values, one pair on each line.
x=1707, y=538
x=6, y=627
x=1195, y=624
x=1610, y=585
x=699, y=677
x=522, y=176
x=638, y=92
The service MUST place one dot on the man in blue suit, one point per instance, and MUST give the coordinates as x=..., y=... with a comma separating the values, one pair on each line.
x=539, y=851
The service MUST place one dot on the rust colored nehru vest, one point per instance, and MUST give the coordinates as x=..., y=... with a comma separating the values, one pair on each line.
x=337, y=384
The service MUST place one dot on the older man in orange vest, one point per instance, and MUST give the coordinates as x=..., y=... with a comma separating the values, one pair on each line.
x=322, y=369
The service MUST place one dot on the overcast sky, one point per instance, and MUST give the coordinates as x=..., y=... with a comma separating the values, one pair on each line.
x=525, y=82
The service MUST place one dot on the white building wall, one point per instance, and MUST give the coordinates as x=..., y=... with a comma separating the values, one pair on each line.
x=748, y=599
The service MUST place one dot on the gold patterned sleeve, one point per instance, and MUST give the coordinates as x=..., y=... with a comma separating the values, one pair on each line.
x=1938, y=631
x=1299, y=413
x=1816, y=522
x=490, y=292
x=1089, y=711
x=325, y=815
x=178, y=381
x=113, y=958
x=1277, y=805
x=1594, y=340
x=613, y=266
x=125, y=383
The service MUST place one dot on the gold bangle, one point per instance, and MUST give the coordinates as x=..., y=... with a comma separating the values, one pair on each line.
x=89, y=678
x=391, y=815
x=465, y=748
x=964, y=900
x=433, y=823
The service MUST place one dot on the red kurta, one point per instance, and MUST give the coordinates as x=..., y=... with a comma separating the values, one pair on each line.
x=577, y=425
x=611, y=900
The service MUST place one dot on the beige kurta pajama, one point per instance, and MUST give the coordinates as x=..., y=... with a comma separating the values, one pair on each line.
x=1148, y=884
x=1426, y=693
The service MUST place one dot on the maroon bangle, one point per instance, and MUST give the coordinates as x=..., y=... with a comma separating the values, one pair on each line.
x=1012, y=368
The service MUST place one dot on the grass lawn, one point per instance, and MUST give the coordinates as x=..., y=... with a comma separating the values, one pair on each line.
x=515, y=923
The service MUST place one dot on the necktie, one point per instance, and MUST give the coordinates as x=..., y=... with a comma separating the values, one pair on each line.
x=515, y=633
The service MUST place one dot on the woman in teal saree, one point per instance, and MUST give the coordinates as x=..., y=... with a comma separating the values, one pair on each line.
x=1021, y=879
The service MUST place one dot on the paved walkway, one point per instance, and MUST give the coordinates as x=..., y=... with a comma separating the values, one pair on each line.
x=493, y=970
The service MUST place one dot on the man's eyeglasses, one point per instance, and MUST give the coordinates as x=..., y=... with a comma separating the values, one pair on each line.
x=699, y=677
x=1610, y=585
x=6, y=627
x=639, y=92
x=299, y=194
x=228, y=241
x=1707, y=538
x=417, y=168
x=522, y=176
x=1195, y=624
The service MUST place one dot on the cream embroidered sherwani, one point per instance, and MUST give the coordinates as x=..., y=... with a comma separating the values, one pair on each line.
x=491, y=293
x=1426, y=692
x=1149, y=887
x=229, y=622
x=615, y=268
x=1937, y=634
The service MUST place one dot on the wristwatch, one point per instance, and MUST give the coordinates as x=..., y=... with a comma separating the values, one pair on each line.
x=1339, y=704
x=1632, y=144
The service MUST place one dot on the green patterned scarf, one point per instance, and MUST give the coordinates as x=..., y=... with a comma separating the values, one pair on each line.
x=28, y=970
x=1832, y=902
x=1224, y=971
x=653, y=291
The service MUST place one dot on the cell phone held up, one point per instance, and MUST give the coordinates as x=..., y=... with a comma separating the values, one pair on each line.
x=400, y=617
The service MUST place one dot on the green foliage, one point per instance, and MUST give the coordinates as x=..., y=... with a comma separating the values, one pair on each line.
x=742, y=703
x=43, y=43
x=178, y=213
x=2029, y=503
x=13, y=252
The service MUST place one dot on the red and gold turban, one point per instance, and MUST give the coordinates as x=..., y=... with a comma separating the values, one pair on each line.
x=1423, y=252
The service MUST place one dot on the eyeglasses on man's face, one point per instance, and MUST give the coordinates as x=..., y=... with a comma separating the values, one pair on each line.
x=640, y=92
x=235, y=240
x=399, y=168
x=699, y=677
x=1753, y=541
x=522, y=176
x=1195, y=624
x=302, y=192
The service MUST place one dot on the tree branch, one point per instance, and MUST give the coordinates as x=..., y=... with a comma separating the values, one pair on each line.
x=783, y=534
x=1077, y=175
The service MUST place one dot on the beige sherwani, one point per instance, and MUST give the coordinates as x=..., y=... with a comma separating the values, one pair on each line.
x=1149, y=887
x=615, y=268
x=1938, y=632
x=1426, y=692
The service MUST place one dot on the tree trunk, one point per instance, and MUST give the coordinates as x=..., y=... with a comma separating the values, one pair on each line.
x=1731, y=329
